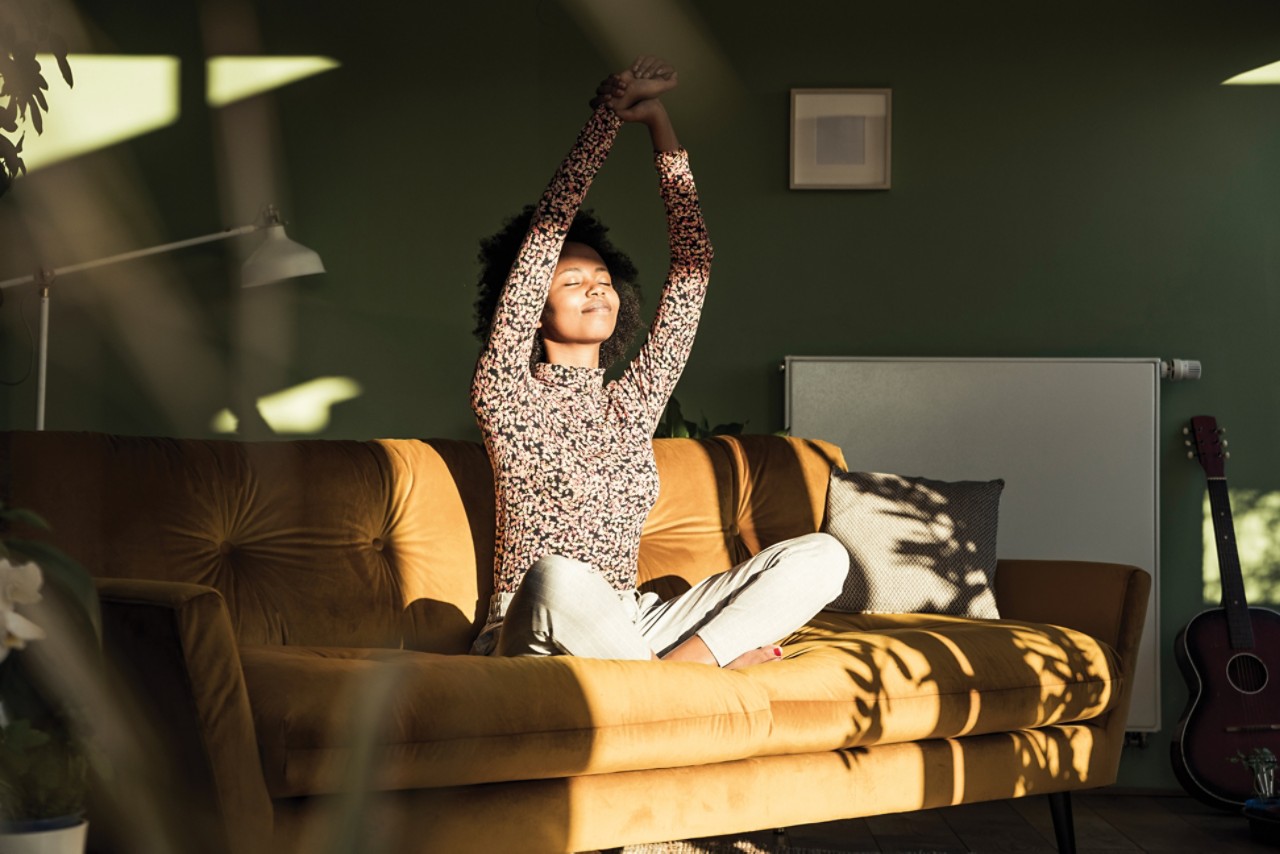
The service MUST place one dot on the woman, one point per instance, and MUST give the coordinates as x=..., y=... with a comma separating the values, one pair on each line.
x=572, y=457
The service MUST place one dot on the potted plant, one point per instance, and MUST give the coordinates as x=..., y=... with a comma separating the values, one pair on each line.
x=48, y=614
x=1262, y=810
x=24, y=31
x=1262, y=765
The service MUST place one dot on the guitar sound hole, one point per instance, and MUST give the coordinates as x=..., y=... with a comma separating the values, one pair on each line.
x=1247, y=673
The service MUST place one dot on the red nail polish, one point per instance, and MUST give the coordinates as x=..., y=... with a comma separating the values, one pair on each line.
x=777, y=650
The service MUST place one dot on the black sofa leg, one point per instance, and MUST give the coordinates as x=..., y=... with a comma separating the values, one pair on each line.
x=1063, y=826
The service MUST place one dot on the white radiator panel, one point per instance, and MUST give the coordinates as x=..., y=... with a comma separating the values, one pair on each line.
x=1076, y=441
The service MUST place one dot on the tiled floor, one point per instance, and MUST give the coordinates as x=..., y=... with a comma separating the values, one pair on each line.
x=1103, y=823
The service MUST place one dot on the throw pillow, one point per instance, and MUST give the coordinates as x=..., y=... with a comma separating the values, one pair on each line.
x=915, y=545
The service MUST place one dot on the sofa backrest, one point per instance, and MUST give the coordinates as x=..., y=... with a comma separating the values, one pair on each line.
x=724, y=499
x=377, y=543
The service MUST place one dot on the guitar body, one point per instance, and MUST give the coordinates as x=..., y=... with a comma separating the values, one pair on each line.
x=1234, y=706
x=1230, y=657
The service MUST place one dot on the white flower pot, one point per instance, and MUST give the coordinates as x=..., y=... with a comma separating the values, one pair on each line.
x=62, y=840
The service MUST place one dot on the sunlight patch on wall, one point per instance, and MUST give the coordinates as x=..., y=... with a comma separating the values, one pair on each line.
x=1266, y=75
x=1257, y=525
x=234, y=78
x=224, y=422
x=115, y=98
x=301, y=409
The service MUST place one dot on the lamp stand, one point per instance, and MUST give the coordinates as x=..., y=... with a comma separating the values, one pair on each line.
x=287, y=260
x=42, y=364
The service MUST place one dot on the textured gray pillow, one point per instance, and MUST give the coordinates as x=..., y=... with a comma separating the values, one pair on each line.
x=915, y=545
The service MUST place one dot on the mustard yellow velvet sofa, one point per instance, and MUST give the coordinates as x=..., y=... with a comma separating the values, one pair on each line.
x=293, y=617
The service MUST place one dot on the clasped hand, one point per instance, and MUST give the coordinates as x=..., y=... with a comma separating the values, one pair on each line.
x=633, y=92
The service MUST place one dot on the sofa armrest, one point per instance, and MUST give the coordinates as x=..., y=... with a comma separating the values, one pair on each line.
x=174, y=647
x=1105, y=600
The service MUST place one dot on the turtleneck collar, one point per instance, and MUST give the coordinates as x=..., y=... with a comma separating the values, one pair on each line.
x=569, y=377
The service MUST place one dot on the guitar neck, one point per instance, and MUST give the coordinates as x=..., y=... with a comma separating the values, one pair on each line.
x=1233, y=599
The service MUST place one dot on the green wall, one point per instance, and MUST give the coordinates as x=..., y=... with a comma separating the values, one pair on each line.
x=1068, y=180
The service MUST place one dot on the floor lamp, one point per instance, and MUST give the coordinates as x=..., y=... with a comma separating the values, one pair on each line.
x=277, y=258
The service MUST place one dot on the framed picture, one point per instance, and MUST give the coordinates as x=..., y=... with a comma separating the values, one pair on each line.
x=840, y=139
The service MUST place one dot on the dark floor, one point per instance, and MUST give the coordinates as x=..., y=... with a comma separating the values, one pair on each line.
x=1103, y=822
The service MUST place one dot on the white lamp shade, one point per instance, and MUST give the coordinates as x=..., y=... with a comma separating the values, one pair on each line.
x=279, y=258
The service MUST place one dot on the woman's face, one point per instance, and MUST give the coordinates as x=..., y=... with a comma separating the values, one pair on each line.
x=582, y=306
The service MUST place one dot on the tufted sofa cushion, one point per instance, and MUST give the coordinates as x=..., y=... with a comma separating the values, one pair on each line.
x=398, y=719
x=853, y=680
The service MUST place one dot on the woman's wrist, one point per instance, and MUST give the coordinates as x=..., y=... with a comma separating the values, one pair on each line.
x=661, y=131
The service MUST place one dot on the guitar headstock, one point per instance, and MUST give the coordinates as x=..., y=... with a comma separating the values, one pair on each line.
x=1204, y=438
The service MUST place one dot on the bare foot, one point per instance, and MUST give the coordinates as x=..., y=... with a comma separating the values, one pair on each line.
x=763, y=655
x=695, y=649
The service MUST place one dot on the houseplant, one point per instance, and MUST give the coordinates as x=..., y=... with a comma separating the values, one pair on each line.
x=673, y=424
x=1262, y=766
x=48, y=614
x=24, y=30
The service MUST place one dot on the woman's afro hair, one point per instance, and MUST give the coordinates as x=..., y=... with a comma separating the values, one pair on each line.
x=498, y=253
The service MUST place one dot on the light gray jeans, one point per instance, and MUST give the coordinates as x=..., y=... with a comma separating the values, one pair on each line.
x=565, y=606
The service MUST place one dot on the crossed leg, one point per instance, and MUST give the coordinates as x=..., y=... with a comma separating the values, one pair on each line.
x=731, y=619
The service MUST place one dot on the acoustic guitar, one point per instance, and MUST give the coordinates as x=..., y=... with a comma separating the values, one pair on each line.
x=1230, y=658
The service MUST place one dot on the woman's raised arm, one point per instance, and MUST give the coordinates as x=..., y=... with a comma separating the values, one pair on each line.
x=652, y=375
x=504, y=362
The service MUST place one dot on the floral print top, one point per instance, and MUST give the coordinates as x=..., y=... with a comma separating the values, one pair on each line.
x=572, y=456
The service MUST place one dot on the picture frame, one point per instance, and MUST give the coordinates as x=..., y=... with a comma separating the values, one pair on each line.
x=841, y=139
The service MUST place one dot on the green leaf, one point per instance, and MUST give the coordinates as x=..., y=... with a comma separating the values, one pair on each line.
x=19, y=736
x=666, y=428
x=25, y=517
x=65, y=573
x=44, y=770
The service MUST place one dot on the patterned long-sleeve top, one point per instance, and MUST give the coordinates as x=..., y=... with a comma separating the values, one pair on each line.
x=573, y=457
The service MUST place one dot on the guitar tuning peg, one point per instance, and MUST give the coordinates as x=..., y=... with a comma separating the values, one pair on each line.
x=1187, y=442
x=1186, y=431
x=1227, y=455
x=1222, y=431
x=1225, y=443
x=1191, y=455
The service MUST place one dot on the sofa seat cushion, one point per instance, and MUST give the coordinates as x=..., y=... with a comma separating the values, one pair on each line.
x=397, y=719
x=852, y=680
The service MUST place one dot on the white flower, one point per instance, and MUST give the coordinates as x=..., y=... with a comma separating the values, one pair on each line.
x=19, y=585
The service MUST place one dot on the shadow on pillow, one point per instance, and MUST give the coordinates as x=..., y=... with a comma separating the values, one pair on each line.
x=915, y=545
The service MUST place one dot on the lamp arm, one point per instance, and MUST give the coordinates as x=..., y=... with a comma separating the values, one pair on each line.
x=46, y=276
